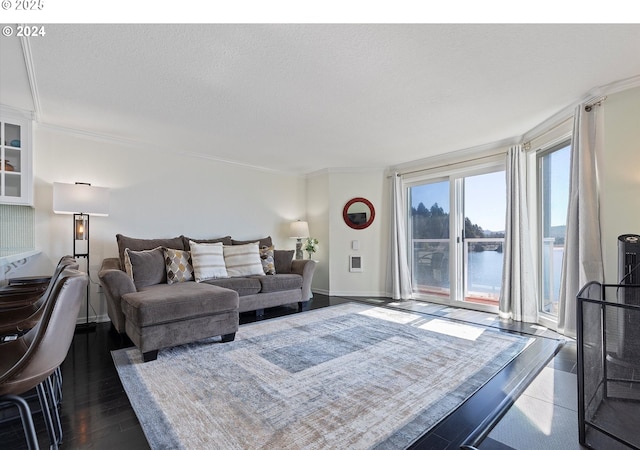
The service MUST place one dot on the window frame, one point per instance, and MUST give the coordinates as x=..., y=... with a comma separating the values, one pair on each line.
x=557, y=144
x=455, y=174
x=555, y=136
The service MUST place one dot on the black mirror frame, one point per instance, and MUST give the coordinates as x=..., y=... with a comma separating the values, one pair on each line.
x=369, y=220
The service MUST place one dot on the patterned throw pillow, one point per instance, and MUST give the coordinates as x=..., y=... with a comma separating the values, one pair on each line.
x=268, y=261
x=208, y=261
x=178, y=265
x=243, y=260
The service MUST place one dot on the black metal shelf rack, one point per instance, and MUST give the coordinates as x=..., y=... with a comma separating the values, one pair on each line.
x=608, y=338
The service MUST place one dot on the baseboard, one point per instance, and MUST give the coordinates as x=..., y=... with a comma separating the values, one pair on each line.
x=320, y=291
x=358, y=294
x=351, y=293
x=94, y=318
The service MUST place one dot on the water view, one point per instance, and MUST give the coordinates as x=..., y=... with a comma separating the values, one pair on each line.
x=483, y=271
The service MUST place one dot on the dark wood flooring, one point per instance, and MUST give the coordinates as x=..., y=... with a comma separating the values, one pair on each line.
x=96, y=413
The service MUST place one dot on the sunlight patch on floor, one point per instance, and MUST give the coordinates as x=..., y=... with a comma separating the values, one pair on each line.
x=541, y=418
x=392, y=315
x=454, y=329
x=539, y=327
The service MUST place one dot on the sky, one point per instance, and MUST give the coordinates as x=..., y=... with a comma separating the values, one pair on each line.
x=485, y=199
x=485, y=195
x=560, y=161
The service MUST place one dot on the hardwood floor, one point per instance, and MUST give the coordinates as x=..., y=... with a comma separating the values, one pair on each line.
x=96, y=413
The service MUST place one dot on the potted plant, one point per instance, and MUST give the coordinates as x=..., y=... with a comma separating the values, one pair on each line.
x=311, y=246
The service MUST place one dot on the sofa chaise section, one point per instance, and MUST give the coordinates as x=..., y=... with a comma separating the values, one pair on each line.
x=156, y=314
x=167, y=315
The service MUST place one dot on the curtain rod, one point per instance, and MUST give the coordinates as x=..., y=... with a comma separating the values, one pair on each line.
x=399, y=173
x=597, y=102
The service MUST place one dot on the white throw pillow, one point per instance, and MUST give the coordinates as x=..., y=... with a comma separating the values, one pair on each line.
x=208, y=261
x=243, y=260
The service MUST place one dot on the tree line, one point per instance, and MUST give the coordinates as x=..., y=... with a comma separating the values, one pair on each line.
x=433, y=223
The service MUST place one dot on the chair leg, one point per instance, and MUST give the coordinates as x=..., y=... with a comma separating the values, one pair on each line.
x=46, y=414
x=54, y=410
x=27, y=421
x=57, y=375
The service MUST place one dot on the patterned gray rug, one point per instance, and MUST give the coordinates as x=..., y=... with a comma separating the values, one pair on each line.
x=347, y=376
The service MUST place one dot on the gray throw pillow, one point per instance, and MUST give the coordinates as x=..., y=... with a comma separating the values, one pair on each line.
x=137, y=245
x=263, y=242
x=146, y=267
x=226, y=240
x=282, y=259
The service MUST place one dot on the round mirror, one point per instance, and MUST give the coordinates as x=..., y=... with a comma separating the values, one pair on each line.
x=358, y=213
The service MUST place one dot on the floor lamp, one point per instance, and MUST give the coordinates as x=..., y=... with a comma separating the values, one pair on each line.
x=82, y=200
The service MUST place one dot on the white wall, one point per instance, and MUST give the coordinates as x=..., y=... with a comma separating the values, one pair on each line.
x=373, y=241
x=619, y=174
x=154, y=194
x=327, y=193
x=318, y=210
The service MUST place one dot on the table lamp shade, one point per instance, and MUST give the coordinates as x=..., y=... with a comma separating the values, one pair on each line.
x=299, y=229
x=80, y=198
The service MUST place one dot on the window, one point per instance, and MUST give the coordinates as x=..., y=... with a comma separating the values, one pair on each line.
x=553, y=167
x=429, y=236
x=456, y=232
x=484, y=224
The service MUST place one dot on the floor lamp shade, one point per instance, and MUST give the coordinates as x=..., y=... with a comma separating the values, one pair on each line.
x=80, y=198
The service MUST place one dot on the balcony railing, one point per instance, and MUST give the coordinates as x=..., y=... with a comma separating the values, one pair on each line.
x=482, y=263
x=552, y=256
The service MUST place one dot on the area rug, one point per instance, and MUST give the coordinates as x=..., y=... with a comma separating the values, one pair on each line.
x=347, y=376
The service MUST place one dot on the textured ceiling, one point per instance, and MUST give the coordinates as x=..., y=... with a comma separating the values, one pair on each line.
x=308, y=97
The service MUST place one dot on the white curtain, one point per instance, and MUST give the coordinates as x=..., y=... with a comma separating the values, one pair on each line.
x=518, y=296
x=400, y=276
x=583, y=251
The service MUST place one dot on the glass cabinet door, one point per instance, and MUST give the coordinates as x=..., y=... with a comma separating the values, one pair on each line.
x=15, y=161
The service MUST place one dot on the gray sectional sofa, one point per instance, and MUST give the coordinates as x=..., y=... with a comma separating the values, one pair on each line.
x=158, y=312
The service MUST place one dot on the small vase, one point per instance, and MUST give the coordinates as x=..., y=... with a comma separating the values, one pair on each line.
x=7, y=166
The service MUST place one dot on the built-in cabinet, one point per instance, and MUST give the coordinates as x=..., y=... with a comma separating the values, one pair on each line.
x=16, y=172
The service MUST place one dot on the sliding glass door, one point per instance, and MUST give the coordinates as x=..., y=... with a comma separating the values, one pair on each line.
x=429, y=242
x=456, y=233
x=483, y=236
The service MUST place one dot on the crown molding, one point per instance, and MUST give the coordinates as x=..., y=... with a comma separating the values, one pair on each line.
x=615, y=87
x=31, y=74
x=347, y=170
x=237, y=163
x=91, y=135
x=16, y=111
x=143, y=146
